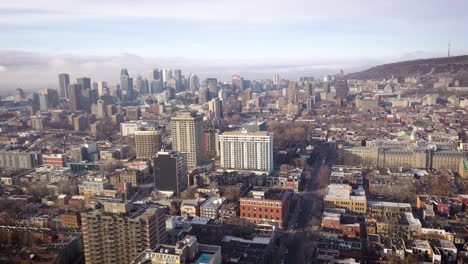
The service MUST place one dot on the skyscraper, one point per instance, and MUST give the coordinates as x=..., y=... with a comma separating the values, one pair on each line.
x=74, y=95
x=154, y=74
x=276, y=79
x=177, y=75
x=214, y=107
x=35, y=105
x=43, y=103
x=341, y=88
x=147, y=142
x=170, y=171
x=52, y=97
x=64, y=81
x=102, y=88
x=210, y=139
x=19, y=95
x=101, y=109
x=242, y=150
x=292, y=93
x=156, y=86
x=120, y=231
x=85, y=82
x=194, y=82
x=212, y=85
x=126, y=84
x=141, y=85
x=166, y=75
x=237, y=82
x=203, y=95
x=187, y=136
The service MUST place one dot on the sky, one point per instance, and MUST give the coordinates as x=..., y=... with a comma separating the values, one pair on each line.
x=219, y=38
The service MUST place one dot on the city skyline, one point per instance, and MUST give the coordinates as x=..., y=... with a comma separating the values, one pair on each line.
x=219, y=39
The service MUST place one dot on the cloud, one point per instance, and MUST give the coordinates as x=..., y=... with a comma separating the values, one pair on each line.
x=402, y=11
x=32, y=70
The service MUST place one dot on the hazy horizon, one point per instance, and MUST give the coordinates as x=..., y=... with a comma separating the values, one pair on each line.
x=218, y=39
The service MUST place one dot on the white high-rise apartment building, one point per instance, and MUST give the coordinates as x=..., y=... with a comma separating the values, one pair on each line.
x=242, y=150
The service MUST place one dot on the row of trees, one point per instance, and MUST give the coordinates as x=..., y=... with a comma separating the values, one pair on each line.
x=290, y=133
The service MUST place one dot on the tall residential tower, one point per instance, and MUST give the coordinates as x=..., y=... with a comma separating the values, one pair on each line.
x=187, y=136
x=251, y=151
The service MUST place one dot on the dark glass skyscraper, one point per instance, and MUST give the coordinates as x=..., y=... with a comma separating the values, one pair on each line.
x=126, y=84
x=74, y=95
x=64, y=81
x=170, y=171
x=85, y=82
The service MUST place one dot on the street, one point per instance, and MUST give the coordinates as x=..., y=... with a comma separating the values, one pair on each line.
x=299, y=248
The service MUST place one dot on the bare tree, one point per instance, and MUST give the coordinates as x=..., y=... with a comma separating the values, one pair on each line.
x=324, y=174
x=111, y=165
x=38, y=190
x=438, y=186
x=174, y=209
x=67, y=187
x=231, y=193
x=188, y=194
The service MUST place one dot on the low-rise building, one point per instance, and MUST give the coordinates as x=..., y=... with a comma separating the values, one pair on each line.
x=341, y=196
x=211, y=207
x=70, y=220
x=185, y=251
x=406, y=227
x=19, y=159
x=388, y=209
x=191, y=207
x=265, y=206
x=57, y=160
x=335, y=224
x=239, y=250
x=229, y=211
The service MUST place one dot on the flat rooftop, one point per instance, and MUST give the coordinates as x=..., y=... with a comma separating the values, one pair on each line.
x=245, y=133
x=342, y=192
x=204, y=258
x=268, y=194
x=388, y=204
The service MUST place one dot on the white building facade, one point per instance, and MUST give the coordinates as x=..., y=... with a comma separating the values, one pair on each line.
x=251, y=151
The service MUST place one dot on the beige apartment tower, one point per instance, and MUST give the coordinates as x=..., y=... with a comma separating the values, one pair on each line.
x=187, y=136
x=120, y=231
x=147, y=142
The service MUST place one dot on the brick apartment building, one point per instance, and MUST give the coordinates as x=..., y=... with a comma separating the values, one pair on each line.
x=265, y=206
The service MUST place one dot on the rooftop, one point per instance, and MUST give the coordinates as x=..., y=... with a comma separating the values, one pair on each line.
x=388, y=204
x=342, y=192
x=204, y=258
x=245, y=133
x=268, y=194
x=213, y=202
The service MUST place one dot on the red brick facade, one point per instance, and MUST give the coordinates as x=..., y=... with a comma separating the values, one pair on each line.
x=260, y=211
